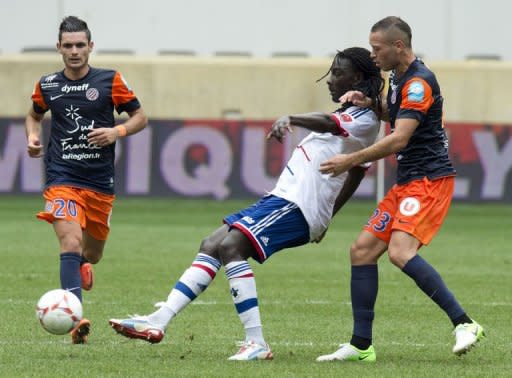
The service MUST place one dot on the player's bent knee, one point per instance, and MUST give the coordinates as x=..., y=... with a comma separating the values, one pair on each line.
x=361, y=254
x=393, y=259
x=397, y=257
x=209, y=246
x=357, y=254
x=229, y=251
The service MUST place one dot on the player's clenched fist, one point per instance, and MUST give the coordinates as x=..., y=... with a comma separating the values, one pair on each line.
x=34, y=147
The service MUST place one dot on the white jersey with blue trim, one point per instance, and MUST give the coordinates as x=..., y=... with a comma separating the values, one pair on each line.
x=301, y=181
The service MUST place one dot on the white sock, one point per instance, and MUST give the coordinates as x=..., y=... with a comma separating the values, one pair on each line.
x=243, y=291
x=162, y=316
x=193, y=282
x=255, y=334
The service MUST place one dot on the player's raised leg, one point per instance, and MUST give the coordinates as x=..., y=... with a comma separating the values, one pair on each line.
x=91, y=254
x=192, y=283
x=467, y=332
x=86, y=274
x=98, y=213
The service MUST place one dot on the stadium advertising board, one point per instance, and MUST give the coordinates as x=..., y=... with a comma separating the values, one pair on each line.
x=232, y=159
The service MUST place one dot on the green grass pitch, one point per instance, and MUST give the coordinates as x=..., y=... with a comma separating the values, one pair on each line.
x=304, y=298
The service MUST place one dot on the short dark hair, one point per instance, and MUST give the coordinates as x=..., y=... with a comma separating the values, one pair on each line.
x=72, y=24
x=391, y=22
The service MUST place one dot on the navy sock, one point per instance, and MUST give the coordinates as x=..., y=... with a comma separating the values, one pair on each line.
x=364, y=285
x=461, y=320
x=431, y=283
x=70, y=273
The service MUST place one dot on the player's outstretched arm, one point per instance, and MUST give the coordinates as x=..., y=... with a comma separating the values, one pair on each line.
x=33, y=130
x=390, y=144
x=319, y=122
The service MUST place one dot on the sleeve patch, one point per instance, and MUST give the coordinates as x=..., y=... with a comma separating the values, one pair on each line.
x=416, y=92
x=417, y=95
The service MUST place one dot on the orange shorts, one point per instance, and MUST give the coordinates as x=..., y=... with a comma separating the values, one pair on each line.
x=90, y=209
x=418, y=208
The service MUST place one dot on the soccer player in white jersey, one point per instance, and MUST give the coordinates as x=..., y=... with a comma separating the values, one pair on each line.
x=297, y=211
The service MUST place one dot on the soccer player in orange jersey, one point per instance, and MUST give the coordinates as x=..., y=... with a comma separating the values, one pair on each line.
x=413, y=210
x=79, y=158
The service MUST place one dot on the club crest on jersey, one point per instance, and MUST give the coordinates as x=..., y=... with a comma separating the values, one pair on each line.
x=346, y=117
x=416, y=92
x=92, y=94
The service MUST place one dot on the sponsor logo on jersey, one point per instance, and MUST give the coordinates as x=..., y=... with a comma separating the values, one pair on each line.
x=265, y=240
x=416, y=92
x=72, y=112
x=56, y=97
x=92, y=94
x=75, y=88
x=50, y=78
x=248, y=219
x=393, y=96
x=48, y=82
x=392, y=87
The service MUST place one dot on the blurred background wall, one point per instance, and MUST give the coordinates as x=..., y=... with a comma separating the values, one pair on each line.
x=225, y=69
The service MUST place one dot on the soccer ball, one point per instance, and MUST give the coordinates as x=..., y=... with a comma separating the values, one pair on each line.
x=59, y=311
